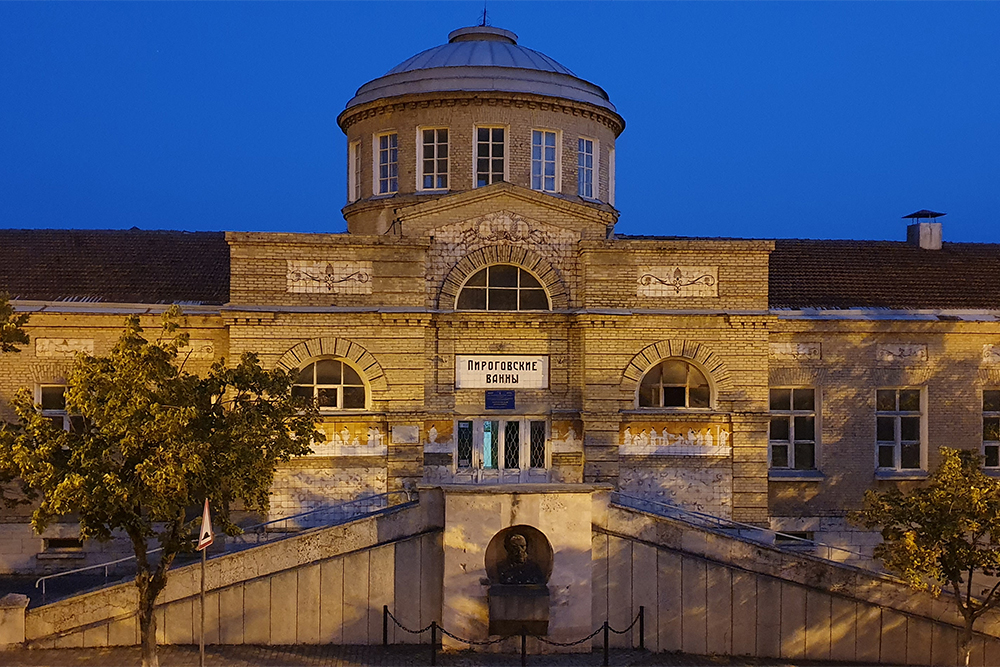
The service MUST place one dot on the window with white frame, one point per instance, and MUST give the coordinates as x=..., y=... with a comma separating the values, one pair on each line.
x=502, y=287
x=433, y=164
x=991, y=428
x=544, y=161
x=490, y=155
x=52, y=399
x=899, y=428
x=354, y=171
x=674, y=383
x=501, y=445
x=334, y=384
x=792, y=433
x=585, y=157
x=387, y=164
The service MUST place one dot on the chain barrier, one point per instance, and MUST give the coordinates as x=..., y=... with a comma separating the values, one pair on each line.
x=435, y=629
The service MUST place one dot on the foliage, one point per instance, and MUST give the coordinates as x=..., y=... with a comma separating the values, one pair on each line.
x=940, y=535
x=11, y=327
x=155, y=442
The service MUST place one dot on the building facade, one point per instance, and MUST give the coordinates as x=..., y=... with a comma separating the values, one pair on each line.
x=481, y=323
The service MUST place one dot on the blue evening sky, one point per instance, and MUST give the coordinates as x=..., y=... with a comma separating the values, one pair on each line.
x=764, y=119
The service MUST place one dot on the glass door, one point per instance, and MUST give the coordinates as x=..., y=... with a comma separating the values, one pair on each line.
x=502, y=450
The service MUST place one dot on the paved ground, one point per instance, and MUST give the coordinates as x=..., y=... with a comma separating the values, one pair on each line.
x=360, y=656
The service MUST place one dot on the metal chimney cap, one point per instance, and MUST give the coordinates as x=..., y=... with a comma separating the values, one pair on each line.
x=924, y=213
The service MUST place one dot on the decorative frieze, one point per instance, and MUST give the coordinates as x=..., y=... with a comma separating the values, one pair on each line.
x=439, y=437
x=676, y=439
x=62, y=348
x=991, y=355
x=198, y=349
x=796, y=351
x=678, y=281
x=901, y=352
x=337, y=277
x=350, y=439
x=565, y=437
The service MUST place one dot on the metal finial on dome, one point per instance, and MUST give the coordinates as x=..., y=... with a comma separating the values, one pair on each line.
x=485, y=22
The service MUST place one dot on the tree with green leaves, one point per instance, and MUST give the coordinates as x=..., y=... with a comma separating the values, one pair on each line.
x=155, y=442
x=11, y=326
x=943, y=534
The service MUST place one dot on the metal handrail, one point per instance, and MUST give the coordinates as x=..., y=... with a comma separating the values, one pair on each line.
x=637, y=502
x=258, y=529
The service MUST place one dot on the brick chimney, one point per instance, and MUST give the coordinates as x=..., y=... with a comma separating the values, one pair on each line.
x=923, y=231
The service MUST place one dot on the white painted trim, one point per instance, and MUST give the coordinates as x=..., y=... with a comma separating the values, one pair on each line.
x=420, y=158
x=558, y=159
x=475, y=153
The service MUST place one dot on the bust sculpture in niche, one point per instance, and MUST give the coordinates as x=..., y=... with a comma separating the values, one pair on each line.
x=517, y=568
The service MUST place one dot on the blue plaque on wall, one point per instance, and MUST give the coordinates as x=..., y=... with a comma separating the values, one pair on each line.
x=499, y=399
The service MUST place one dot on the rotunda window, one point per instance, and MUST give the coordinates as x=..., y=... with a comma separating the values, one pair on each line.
x=333, y=384
x=503, y=287
x=674, y=383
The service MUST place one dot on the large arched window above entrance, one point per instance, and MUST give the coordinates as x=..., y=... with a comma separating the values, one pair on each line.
x=674, y=383
x=333, y=383
x=503, y=287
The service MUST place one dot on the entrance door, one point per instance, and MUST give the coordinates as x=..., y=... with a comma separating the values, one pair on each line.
x=502, y=450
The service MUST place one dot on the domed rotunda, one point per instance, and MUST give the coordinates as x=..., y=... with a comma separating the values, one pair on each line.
x=479, y=110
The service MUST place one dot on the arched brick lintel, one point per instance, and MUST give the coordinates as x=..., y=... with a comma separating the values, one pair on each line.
x=683, y=349
x=294, y=358
x=503, y=254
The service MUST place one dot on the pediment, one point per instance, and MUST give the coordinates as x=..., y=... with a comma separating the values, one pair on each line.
x=505, y=213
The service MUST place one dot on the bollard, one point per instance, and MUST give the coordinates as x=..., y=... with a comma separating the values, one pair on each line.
x=434, y=642
x=385, y=625
x=605, y=662
x=642, y=628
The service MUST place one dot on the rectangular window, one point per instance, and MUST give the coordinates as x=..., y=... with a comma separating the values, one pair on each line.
x=387, y=181
x=490, y=152
x=465, y=439
x=52, y=399
x=543, y=160
x=793, y=428
x=537, y=453
x=434, y=159
x=354, y=171
x=898, y=428
x=991, y=428
x=585, y=168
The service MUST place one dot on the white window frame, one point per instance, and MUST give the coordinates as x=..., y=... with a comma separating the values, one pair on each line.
x=480, y=472
x=556, y=161
x=611, y=176
x=354, y=171
x=897, y=415
x=324, y=410
x=791, y=414
x=518, y=289
x=595, y=184
x=475, y=151
x=420, y=158
x=62, y=414
x=991, y=444
x=712, y=389
x=376, y=175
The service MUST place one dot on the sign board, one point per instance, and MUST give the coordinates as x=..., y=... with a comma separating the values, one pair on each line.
x=499, y=399
x=501, y=371
x=206, y=536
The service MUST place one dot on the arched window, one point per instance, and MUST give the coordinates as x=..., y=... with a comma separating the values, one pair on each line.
x=674, y=383
x=333, y=384
x=503, y=287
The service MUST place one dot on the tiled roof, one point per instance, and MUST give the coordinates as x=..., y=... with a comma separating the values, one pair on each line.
x=118, y=266
x=884, y=274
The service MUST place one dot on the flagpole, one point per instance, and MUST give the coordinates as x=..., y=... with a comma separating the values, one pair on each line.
x=201, y=636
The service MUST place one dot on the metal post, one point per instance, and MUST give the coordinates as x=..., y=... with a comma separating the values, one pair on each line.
x=385, y=625
x=201, y=635
x=524, y=649
x=434, y=642
x=605, y=661
x=642, y=628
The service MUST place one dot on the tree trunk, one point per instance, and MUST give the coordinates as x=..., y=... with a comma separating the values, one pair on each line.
x=965, y=642
x=147, y=628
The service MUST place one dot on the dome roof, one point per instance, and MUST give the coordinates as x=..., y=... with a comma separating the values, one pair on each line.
x=482, y=59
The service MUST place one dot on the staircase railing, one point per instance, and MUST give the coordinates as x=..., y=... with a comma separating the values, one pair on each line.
x=263, y=533
x=766, y=536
